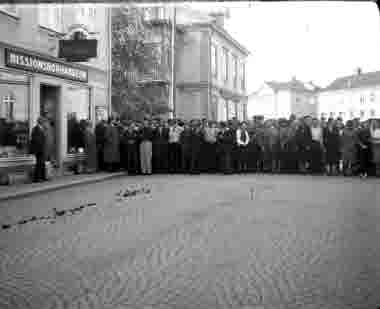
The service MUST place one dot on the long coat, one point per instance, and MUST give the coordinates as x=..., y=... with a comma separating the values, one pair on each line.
x=331, y=141
x=348, y=145
x=111, y=145
x=90, y=149
x=49, y=141
x=38, y=141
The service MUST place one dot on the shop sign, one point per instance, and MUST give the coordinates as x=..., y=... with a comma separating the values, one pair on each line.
x=78, y=50
x=23, y=61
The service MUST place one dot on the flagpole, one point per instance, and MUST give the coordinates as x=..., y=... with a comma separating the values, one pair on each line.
x=172, y=104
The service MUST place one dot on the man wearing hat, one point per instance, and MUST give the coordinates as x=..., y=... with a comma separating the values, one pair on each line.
x=38, y=148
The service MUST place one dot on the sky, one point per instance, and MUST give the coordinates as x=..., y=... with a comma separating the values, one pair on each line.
x=313, y=41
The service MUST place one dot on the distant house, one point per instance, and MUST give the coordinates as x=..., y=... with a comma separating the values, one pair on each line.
x=354, y=96
x=282, y=99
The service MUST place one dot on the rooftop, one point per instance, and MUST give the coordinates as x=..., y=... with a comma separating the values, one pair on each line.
x=355, y=81
x=294, y=84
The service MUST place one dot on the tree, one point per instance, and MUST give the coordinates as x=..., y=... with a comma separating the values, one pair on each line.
x=133, y=56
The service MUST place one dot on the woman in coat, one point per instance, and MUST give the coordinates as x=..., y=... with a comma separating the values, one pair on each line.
x=331, y=141
x=90, y=149
x=111, y=147
x=348, y=147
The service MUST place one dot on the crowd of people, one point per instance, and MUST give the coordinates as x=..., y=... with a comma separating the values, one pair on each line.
x=304, y=145
x=294, y=145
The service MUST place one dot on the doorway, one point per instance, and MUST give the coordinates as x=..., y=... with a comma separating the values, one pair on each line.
x=49, y=100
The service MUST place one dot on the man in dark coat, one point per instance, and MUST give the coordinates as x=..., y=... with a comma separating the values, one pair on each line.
x=130, y=141
x=227, y=143
x=364, y=150
x=196, y=141
x=100, y=141
x=160, y=148
x=304, y=141
x=38, y=148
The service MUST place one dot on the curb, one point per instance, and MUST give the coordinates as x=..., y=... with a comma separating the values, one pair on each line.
x=55, y=187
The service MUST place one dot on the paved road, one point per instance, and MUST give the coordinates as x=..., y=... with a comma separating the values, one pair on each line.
x=244, y=241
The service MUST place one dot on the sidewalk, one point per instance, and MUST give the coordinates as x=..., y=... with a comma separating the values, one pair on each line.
x=23, y=190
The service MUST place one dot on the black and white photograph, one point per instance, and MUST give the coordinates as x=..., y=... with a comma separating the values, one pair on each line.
x=189, y=155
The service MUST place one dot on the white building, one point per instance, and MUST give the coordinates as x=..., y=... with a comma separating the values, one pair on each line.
x=282, y=99
x=354, y=96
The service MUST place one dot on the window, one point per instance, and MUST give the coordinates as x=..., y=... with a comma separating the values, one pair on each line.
x=242, y=75
x=362, y=113
x=8, y=106
x=225, y=64
x=214, y=61
x=14, y=124
x=231, y=109
x=372, y=97
x=298, y=99
x=92, y=12
x=352, y=114
x=9, y=9
x=362, y=99
x=51, y=17
x=372, y=113
x=222, y=110
x=240, y=111
x=234, y=70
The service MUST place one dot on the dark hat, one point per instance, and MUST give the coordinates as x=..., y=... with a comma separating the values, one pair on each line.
x=349, y=124
x=223, y=124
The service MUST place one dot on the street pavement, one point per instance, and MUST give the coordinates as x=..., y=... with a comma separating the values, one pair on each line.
x=206, y=241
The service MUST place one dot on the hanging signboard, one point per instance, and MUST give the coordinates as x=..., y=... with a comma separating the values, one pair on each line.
x=77, y=50
x=27, y=62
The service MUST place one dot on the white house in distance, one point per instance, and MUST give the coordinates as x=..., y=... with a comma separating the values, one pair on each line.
x=282, y=99
x=354, y=96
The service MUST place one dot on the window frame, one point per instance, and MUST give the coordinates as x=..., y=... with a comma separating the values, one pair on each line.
x=242, y=75
x=225, y=65
x=58, y=27
x=214, y=61
x=235, y=65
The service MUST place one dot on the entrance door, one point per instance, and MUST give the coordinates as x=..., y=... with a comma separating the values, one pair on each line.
x=49, y=100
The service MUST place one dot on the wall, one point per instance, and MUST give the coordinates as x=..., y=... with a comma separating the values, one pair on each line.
x=305, y=104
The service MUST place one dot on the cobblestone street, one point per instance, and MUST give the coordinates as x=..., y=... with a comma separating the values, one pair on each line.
x=241, y=241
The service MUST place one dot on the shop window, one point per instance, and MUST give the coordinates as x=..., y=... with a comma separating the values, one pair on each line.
x=8, y=106
x=14, y=124
x=78, y=114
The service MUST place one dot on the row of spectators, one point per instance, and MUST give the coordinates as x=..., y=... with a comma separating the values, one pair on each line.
x=305, y=145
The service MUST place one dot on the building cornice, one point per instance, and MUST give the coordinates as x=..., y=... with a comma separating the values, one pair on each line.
x=222, y=32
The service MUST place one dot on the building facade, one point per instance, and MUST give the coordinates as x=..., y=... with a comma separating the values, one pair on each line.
x=210, y=71
x=34, y=81
x=282, y=99
x=349, y=97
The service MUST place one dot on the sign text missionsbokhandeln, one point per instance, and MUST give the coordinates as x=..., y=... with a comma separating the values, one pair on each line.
x=40, y=65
